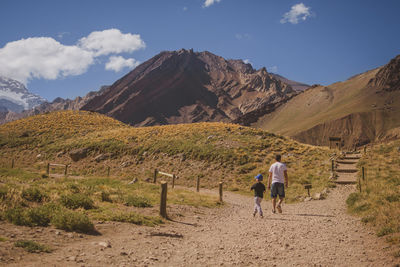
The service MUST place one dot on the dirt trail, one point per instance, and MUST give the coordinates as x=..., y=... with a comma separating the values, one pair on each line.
x=314, y=233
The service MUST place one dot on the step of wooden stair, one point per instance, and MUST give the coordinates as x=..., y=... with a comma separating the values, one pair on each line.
x=346, y=162
x=347, y=170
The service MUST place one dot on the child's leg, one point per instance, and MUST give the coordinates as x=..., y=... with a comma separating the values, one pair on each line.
x=255, y=206
x=258, y=205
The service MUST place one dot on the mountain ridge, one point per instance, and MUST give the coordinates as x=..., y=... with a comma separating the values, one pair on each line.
x=185, y=86
x=360, y=110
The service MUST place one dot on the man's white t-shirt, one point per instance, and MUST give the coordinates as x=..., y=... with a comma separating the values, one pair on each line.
x=277, y=169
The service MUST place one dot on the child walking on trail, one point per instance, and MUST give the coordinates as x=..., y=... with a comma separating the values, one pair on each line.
x=259, y=189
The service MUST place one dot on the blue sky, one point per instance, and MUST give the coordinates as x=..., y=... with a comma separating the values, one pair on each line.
x=67, y=48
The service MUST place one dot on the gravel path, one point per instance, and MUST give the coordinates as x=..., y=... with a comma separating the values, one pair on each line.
x=314, y=233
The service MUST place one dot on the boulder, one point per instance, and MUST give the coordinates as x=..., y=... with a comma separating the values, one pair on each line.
x=78, y=154
x=101, y=157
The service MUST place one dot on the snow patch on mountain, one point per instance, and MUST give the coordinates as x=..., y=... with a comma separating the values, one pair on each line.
x=15, y=97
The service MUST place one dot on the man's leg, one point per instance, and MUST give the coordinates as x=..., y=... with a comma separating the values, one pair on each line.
x=279, y=207
x=273, y=204
x=281, y=193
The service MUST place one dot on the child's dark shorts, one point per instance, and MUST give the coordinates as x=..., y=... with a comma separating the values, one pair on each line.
x=278, y=189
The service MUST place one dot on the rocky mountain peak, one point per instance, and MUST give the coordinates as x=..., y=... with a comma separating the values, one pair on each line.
x=185, y=86
x=388, y=78
x=15, y=97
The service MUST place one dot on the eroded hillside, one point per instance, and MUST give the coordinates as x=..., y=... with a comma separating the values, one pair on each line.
x=361, y=110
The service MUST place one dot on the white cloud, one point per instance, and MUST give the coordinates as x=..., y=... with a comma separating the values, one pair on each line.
x=296, y=13
x=46, y=58
x=111, y=41
x=241, y=36
x=208, y=3
x=117, y=63
x=62, y=34
x=42, y=57
x=273, y=69
x=185, y=8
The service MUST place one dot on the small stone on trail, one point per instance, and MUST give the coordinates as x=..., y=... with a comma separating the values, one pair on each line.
x=133, y=181
x=70, y=235
x=318, y=196
x=307, y=199
x=58, y=233
x=123, y=253
x=105, y=244
x=72, y=258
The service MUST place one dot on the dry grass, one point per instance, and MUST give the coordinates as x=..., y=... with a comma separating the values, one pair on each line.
x=83, y=199
x=213, y=151
x=379, y=202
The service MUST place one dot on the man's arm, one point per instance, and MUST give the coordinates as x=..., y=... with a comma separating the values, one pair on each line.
x=269, y=180
x=286, y=179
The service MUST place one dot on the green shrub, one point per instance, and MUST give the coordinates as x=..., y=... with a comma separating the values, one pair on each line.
x=105, y=197
x=362, y=207
x=76, y=201
x=72, y=221
x=137, y=201
x=368, y=218
x=385, y=231
x=3, y=193
x=38, y=216
x=32, y=246
x=16, y=216
x=393, y=198
x=134, y=218
x=74, y=188
x=352, y=199
x=33, y=194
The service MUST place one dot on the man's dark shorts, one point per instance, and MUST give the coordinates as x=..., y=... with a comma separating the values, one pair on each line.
x=278, y=189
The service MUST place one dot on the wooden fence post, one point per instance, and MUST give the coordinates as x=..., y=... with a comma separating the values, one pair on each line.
x=365, y=149
x=333, y=165
x=12, y=164
x=173, y=180
x=66, y=170
x=198, y=184
x=163, y=202
x=220, y=191
x=108, y=171
x=363, y=173
x=359, y=183
x=48, y=169
x=155, y=175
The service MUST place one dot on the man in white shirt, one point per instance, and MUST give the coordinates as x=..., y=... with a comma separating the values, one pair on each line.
x=278, y=176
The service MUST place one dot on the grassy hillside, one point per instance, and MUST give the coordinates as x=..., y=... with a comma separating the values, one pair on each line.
x=214, y=151
x=379, y=112
x=379, y=202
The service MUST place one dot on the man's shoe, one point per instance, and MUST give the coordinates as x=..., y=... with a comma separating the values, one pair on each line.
x=273, y=211
x=279, y=208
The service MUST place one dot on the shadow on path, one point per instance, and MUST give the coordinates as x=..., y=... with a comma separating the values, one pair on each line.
x=185, y=223
x=309, y=215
